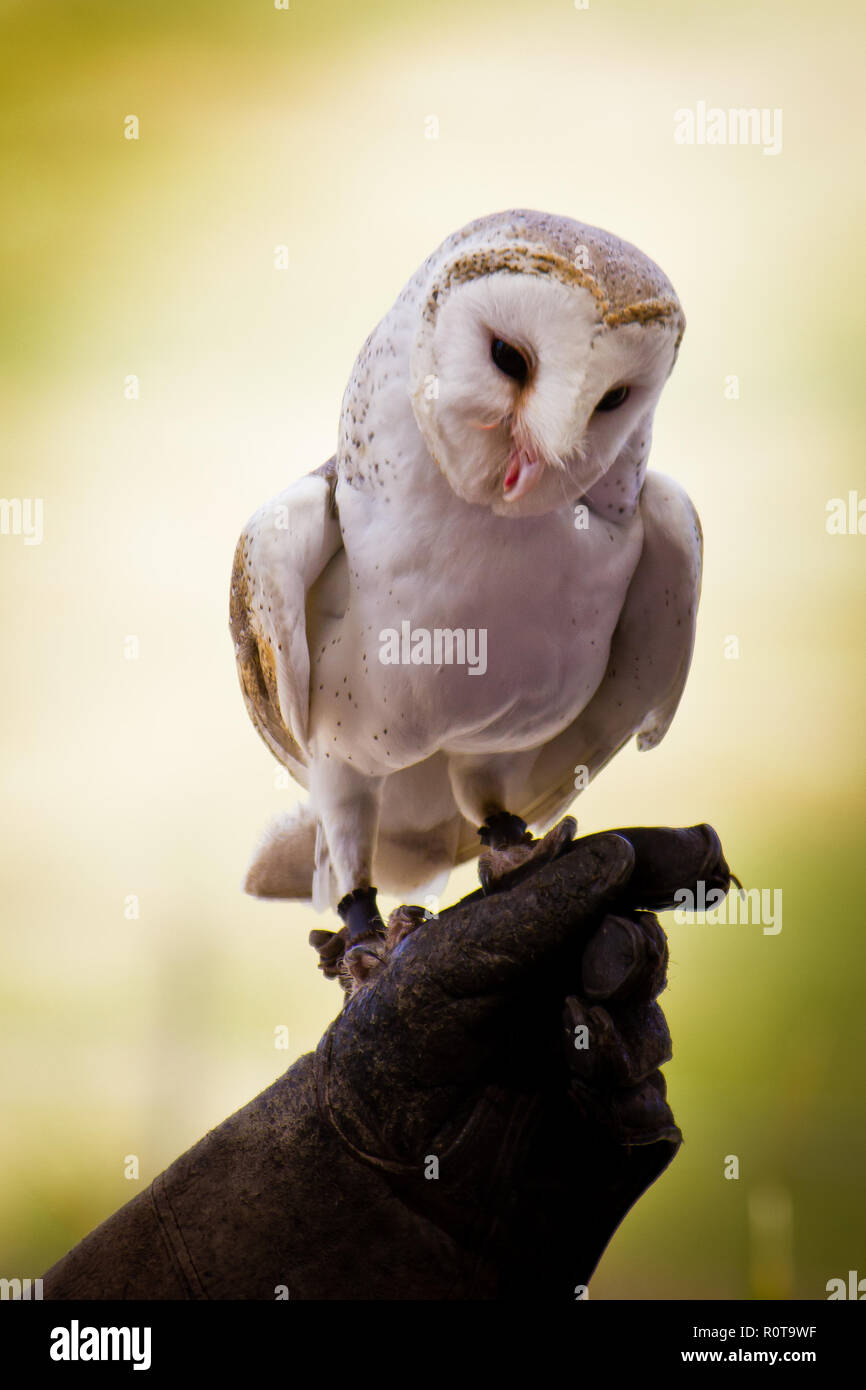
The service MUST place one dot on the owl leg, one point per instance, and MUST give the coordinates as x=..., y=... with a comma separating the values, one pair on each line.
x=483, y=787
x=365, y=936
x=347, y=805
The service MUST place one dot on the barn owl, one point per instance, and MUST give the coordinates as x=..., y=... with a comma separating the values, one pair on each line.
x=459, y=619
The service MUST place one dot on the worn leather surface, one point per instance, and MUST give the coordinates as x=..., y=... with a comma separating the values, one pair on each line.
x=448, y=1139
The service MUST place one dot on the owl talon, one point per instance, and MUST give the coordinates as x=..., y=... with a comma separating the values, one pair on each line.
x=351, y=954
x=402, y=922
x=353, y=963
x=361, y=961
x=511, y=855
x=331, y=946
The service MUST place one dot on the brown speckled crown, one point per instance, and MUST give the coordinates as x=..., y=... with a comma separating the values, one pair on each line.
x=628, y=287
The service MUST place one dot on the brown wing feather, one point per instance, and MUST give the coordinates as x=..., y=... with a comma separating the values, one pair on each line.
x=255, y=656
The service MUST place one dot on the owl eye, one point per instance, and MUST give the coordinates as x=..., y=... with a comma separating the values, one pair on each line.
x=612, y=400
x=509, y=360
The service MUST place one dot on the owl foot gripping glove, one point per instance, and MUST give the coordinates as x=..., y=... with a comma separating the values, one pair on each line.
x=474, y=1124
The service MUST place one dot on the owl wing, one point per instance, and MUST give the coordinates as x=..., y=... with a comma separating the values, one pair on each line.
x=282, y=551
x=649, y=661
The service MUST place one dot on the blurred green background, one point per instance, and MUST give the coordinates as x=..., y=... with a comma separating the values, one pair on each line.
x=306, y=128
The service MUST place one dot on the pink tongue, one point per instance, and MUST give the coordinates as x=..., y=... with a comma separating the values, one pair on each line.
x=523, y=473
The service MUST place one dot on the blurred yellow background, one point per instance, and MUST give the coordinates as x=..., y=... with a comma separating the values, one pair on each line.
x=155, y=258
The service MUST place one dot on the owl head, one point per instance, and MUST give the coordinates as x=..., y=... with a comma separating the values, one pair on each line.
x=541, y=353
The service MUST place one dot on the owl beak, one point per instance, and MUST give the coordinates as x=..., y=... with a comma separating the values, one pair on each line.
x=523, y=472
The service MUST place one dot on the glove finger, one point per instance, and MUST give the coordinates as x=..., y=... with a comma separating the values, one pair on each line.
x=607, y=1050
x=493, y=945
x=670, y=861
x=625, y=958
x=641, y=1114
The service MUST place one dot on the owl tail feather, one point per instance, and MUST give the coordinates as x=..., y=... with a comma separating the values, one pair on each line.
x=292, y=859
x=288, y=862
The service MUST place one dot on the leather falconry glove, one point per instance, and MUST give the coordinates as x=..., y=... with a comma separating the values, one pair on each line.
x=474, y=1124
